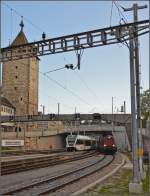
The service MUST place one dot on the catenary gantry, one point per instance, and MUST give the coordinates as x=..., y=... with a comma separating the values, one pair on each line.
x=78, y=41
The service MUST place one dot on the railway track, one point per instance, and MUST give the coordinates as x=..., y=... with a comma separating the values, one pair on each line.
x=9, y=167
x=6, y=153
x=52, y=184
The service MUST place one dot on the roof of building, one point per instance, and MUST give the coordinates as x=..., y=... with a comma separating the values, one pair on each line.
x=5, y=102
x=20, y=38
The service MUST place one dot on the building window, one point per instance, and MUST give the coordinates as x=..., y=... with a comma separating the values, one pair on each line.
x=21, y=98
x=16, y=67
x=15, y=88
x=16, y=77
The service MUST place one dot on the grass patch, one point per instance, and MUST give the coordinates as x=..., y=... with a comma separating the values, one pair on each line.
x=146, y=183
x=117, y=185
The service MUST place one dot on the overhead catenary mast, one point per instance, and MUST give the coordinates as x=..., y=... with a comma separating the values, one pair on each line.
x=135, y=9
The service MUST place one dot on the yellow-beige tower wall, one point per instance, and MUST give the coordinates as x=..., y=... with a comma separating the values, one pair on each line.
x=20, y=85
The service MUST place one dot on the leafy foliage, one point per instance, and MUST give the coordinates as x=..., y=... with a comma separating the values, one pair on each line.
x=145, y=106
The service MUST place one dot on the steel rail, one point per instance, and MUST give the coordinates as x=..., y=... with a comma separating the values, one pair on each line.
x=96, y=168
x=51, y=180
x=6, y=153
x=16, y=166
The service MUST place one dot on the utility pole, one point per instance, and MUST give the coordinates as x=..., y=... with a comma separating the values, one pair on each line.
x=0, y=123
x=135, y=9
x=58, y=104
x=75, y=122
x=136, y=174
x=124, y=107
x=75, y=110
x=43, y=108
x=112, y=115
x=0, y=109
x=149, y=102
x=112, y=106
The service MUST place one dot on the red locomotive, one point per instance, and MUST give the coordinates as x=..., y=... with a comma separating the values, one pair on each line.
x=107, y=145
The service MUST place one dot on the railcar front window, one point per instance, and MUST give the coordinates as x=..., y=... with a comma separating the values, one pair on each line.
x=80, y=142
x=88, y=143
x=71, y=140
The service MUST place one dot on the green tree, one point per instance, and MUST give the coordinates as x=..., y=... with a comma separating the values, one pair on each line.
x=145, y=105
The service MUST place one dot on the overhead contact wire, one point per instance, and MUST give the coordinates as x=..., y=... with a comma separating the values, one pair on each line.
x=65, y=88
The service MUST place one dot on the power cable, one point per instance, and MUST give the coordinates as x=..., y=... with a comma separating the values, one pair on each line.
x=70, y=66
x=55, y=70
x=120, y=14
x=111, y=12
x=19, y=14
x=11, y=25
x=85, y=84
x=122, y=18
x=65, y=88
x=118, y=6
x=49, y=96
x=57, y=101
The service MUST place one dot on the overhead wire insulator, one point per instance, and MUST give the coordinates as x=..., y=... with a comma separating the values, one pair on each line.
x=43, y=35
x=71, y=66
x=67, y=66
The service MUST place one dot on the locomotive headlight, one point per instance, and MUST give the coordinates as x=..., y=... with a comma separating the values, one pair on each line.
x=113, y=145
x=105, y=145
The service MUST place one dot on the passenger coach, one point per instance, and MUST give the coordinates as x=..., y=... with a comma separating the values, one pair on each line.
x=80, y=142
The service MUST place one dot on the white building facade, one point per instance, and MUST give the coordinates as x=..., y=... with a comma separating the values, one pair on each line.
x=7, y=109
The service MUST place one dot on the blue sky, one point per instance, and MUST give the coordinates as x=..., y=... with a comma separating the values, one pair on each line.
x=104, y=70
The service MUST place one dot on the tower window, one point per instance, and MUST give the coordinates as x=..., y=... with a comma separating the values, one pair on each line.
x=16, y=67
x=21, y=98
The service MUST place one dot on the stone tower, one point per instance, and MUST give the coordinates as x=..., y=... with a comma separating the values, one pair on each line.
x=20, y=80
